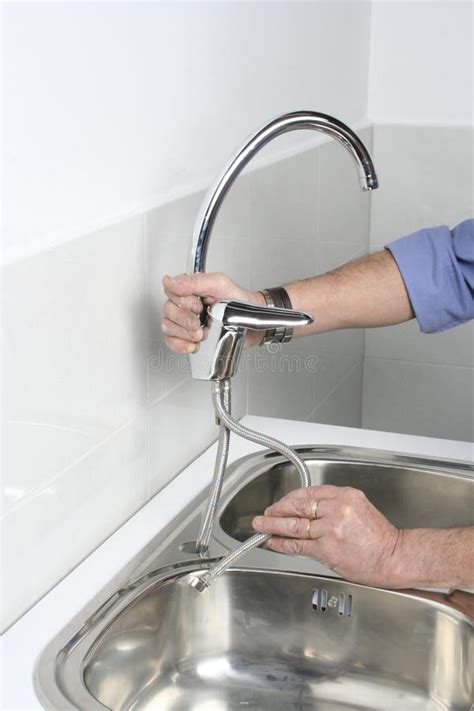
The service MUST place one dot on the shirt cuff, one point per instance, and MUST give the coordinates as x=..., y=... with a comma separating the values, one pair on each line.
x=426, y=265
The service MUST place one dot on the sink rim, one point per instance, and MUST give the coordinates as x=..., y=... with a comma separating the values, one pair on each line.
x=162, y=559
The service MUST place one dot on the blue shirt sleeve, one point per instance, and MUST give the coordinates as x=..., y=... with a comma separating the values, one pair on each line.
x=437, y=266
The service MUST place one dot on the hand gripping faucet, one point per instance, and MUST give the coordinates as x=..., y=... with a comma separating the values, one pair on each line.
x=218, y=355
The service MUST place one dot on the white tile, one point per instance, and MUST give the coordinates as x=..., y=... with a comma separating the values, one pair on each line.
x=283, y=198
x=175, y=219
x=419, y=399
x=166, y=369
x=181, y=426
x=230, y=256
x=426, y=179
x=168, y=231
x=74, y=350
x=282, y=380
x=344, y=208
x=337, y=352
x=280, y=261
x=343, y=405
x=406, y=342
x=50, y=531
x=335, y=254
x=376, y=246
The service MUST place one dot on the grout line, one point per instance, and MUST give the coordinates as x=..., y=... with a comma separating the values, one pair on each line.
x=147, y=374
x=420, y=362
x=333, y=390
x=34, y=491
x=363, y=382
x=371, y=208
x=165, y=394
x=420, y=123
x=318, y=215
x=248, y=286
x=371, y=194
x=370, y=63
x=162, y=199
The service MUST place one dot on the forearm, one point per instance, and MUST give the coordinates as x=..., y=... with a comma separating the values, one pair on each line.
x=438, y=558
x=365, y=293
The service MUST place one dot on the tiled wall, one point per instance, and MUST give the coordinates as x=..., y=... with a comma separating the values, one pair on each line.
x=99, y=415
x=413, y=382
x=74, y=445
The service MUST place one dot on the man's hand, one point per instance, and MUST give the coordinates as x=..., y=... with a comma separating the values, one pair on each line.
x=350, y=535
x=187, y=295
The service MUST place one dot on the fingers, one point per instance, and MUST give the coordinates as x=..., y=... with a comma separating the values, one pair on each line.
x=191, y=303
x=187, y=295
x=293, y=546
x=289, y=527
x=173, y=330
x=179, y=346
x=300, y=501
x=181, y=316
x=213, y=285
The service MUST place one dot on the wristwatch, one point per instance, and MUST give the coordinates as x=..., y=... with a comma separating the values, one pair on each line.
x=277, y=296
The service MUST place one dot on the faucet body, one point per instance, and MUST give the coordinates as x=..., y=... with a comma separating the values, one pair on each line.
x=228, y=321
x=218, y=355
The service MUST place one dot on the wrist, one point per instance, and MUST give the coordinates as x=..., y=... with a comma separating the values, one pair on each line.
x=397, y=562
x=258, y=298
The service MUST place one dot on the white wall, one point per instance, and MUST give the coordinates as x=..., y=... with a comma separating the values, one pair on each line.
x=110, y=108
x=421, y=64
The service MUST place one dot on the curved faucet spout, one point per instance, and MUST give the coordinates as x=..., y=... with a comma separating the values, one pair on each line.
x=295, y=121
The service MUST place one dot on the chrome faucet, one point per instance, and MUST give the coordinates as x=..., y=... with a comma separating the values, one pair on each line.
x=218, y=355
x=298, y=120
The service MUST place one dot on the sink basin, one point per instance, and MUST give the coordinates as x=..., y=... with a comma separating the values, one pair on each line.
x=410, y=493
x=260, y=640
x=279, y=633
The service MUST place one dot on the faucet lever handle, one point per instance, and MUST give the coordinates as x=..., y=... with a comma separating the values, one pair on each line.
x=234, y=315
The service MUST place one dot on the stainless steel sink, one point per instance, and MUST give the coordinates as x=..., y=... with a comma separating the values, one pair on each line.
x=277, y=634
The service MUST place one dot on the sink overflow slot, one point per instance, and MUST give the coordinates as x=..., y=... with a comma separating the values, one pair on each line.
x=342, y=602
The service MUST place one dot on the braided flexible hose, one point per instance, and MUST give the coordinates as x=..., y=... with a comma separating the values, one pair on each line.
x=204, y=537
x=203, y=581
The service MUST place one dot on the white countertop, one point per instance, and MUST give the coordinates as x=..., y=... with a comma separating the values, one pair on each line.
x=24, y=641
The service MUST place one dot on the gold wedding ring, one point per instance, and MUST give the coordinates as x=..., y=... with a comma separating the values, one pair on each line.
x=314, y=509
x=307, y=533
